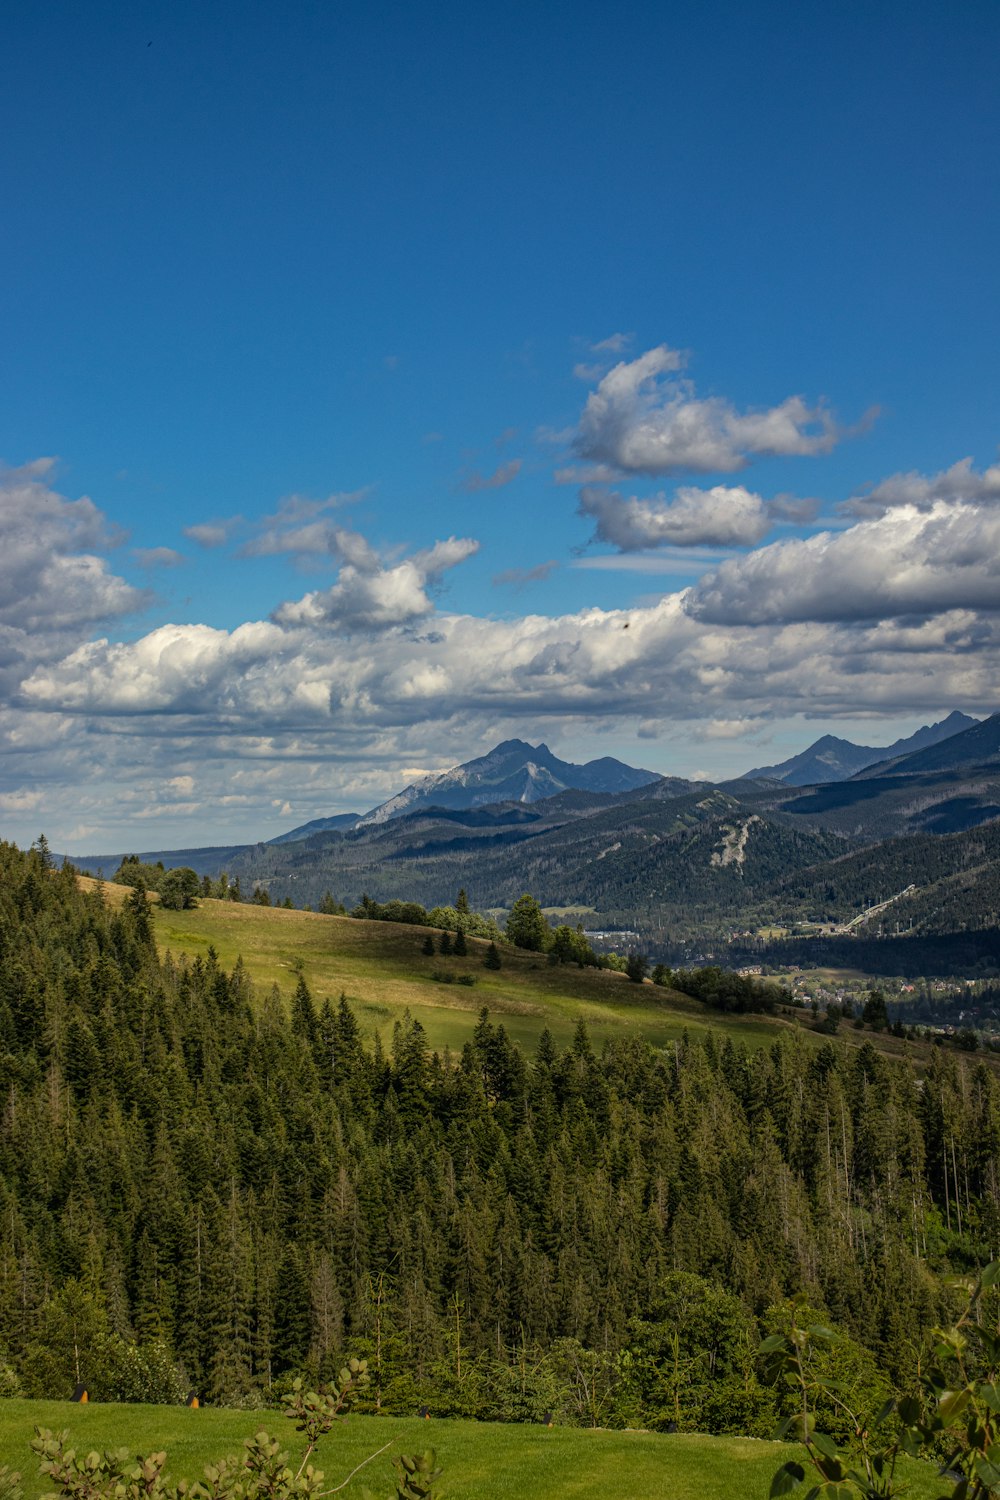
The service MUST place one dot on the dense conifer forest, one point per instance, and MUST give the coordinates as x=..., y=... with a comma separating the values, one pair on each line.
x=201, y=1188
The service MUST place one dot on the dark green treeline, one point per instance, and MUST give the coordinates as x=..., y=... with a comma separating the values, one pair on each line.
x=250, y=1190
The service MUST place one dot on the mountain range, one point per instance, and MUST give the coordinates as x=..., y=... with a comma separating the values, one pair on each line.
x=675, y=860
x=512, y=771
x=832, y=759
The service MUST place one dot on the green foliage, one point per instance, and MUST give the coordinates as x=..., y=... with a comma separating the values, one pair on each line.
x=692, y=1361
x=472, y=923
x=874, y=1013
x=416, y=1475
x=724, y=990
x=570, y=946
x=179, y=889
x=527, y=926
x=954, y=1416
x=636, y=967
x=191, y=1173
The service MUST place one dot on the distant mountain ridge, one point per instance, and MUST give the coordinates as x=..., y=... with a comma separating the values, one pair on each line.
x=831, y=759
x=977, y=745
x=512, y=771
x=318, y=825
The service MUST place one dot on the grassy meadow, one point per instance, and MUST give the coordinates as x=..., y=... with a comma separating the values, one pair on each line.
x=381, y=969
x=478, y=1458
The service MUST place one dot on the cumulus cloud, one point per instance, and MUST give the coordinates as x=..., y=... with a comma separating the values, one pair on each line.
x=503, y=475
x=960, y=482
x=372, y=595
x=472, y=675
x=326, y=702
x=723, y=516
x=301, y=527
x=54, y=585
x=313, y=713
x=50, y=575
x=174, y=669
x=642, y=419
x=908, y=561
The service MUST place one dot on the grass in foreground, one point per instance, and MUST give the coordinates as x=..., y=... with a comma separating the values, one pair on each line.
x=478, y=1458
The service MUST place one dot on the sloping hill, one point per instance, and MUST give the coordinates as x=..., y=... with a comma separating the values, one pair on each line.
x=382, y=969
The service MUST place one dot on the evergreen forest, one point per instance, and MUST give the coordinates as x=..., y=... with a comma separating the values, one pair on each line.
x=204, y=1189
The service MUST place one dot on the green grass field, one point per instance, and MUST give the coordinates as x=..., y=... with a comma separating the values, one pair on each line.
x=479, y=1459
x=381, y=969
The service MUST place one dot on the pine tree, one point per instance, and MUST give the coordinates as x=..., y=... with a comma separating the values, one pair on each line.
x=492, y=959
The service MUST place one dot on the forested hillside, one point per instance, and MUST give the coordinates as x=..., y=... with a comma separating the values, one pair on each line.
x=198, y=1187
x=694, y=857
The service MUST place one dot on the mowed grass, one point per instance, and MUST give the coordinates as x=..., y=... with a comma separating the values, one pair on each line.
x=478, y=1459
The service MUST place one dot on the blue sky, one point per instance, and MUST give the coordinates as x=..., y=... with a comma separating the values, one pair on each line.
x=630, y=302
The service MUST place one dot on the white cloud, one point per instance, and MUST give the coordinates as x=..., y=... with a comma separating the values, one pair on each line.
x=21, y=799
x=326, y=717
x=301, y=527
x=54, y=587
x=50, y=576
x=326, y=704
x=960, y=482
x=723, y=516
x=728, y=729
x=643, y=420
x=908, y=561
x=616, y=343
x=371, y=596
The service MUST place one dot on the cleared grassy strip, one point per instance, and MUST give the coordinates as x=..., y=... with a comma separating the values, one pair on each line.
x=479, y=1458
